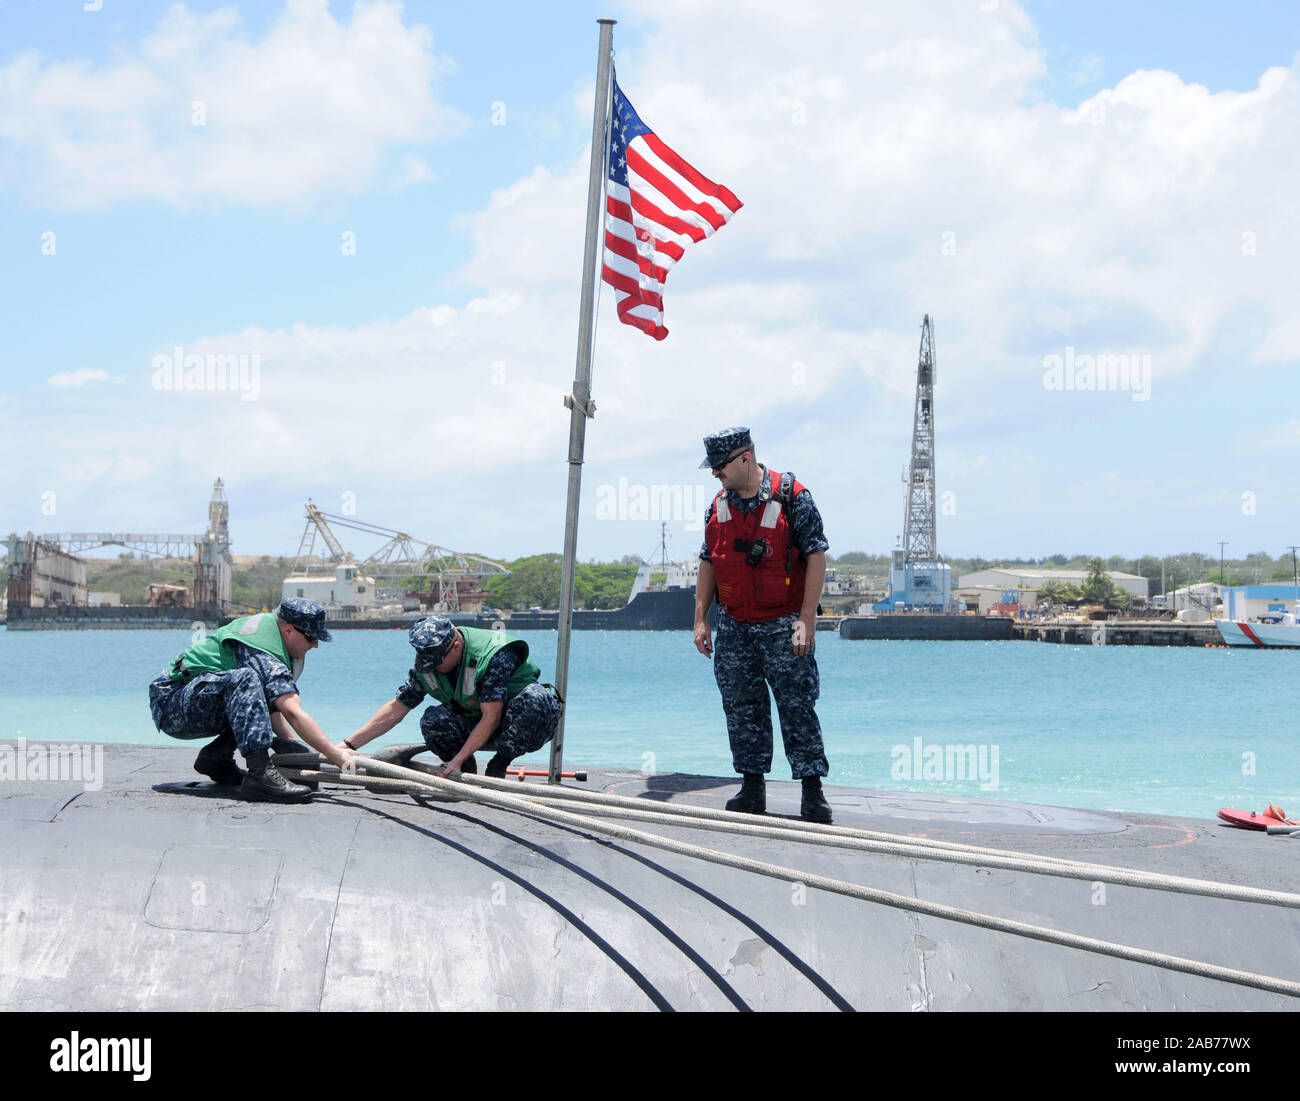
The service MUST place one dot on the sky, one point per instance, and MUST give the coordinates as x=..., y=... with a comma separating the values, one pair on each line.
x=378, y=209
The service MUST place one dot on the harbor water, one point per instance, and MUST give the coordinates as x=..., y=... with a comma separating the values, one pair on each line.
x=1175, y=731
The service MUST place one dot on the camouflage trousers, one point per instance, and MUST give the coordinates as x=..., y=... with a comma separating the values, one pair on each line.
x=212, y=704
x=527, y=724
x=747, y=658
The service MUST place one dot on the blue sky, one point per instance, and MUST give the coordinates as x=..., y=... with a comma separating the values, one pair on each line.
x=1046, y=180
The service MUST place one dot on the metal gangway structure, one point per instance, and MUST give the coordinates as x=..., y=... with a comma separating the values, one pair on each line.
x=402, y=559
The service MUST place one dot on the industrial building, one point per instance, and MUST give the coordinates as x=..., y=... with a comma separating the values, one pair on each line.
x=1204, y=596
x=1021, y=584
x=997, y=599
x=43, y=575
x=345, y=592
x=46, y=584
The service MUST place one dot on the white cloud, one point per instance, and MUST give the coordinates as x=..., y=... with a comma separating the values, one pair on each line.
x=200, y=112
x=917, y=175
x=79, y=378
x=920, y=174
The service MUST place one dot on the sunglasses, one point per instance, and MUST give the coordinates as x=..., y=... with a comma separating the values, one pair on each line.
x=728, y=462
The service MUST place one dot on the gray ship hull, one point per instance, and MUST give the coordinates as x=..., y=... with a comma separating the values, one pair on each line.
x=663, y=610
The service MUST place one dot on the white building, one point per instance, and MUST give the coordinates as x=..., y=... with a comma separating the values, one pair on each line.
x=1035, y=577
x=1203, y=595
x=346, y=593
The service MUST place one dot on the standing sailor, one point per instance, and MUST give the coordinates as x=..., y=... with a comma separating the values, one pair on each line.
x=487, y=694
x=240, y=683
x=764, y=556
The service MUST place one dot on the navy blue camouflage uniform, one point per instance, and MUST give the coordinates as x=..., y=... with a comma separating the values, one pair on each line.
x=237, y=701
x=527, y=723
x=748, y=657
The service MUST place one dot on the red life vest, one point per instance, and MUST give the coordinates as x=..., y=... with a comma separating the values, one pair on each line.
x=773, y=587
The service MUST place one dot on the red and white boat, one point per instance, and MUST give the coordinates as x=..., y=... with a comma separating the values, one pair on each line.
x=1281, y=634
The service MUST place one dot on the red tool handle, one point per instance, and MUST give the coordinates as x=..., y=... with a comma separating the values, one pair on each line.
x=522, y=772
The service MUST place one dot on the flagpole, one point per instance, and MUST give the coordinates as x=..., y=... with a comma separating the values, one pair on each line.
x=579, y=400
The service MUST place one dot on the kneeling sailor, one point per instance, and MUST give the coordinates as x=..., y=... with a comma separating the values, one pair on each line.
x=240, y=683
x=487, y=694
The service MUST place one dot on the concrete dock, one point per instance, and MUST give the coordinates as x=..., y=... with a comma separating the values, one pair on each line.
x=1151, y=632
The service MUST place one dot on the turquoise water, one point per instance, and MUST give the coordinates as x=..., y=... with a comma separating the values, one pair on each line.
x=1179, y=731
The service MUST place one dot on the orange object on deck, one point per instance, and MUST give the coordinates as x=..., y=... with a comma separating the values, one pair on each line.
x=522, y=772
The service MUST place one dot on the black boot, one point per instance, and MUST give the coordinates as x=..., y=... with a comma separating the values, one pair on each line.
x=290, y=748
x=216, y=761
x=288, y=745
x=469, y=766
x=496, y=768
x=814, y=807
x=752, y=797
x=265, y=784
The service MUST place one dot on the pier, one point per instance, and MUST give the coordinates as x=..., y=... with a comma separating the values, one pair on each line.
x=1151, y=632
x=1100, y=632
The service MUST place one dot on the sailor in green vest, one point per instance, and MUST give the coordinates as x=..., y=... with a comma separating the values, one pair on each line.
x=487, y=694
x=240, y=684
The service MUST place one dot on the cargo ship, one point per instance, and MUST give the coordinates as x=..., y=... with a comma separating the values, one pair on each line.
x=662, y=599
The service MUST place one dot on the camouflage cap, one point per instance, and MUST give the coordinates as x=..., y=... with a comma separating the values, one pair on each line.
x=432, y=638
x=306, y=615
x=719, y=447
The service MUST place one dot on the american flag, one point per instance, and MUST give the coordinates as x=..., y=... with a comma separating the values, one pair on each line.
x=655, y=206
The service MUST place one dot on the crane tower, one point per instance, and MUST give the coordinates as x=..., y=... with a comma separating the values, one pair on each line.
x=918, y=522
x=918, y=578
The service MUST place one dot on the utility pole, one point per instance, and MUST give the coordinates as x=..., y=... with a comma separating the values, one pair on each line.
x=1222, y=543
x=1295, y=574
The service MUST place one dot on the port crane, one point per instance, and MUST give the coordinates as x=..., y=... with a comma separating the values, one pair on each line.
x=918, y=578
x=401, y=560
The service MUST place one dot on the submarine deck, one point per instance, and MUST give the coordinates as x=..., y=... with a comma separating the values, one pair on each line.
x=158, y=892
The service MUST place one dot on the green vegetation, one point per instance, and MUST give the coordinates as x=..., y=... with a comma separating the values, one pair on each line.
x=132, y=576
x=259, y=584
x=255, y=584
x=1185, y=568
x=534, y=582
x=1098, y=588
x=1056, y=592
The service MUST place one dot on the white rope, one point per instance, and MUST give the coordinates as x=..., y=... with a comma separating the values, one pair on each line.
x=482, y=794
x=786, y=830
x=874, y=841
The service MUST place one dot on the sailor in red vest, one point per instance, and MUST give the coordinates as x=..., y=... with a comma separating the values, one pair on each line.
x=764, y=557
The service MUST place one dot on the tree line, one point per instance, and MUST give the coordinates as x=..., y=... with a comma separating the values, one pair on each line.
x=534, y=580
x=1184, y=568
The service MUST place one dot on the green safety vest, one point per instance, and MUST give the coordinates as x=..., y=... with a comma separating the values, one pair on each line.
x=480, y=646
x=260, y=631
